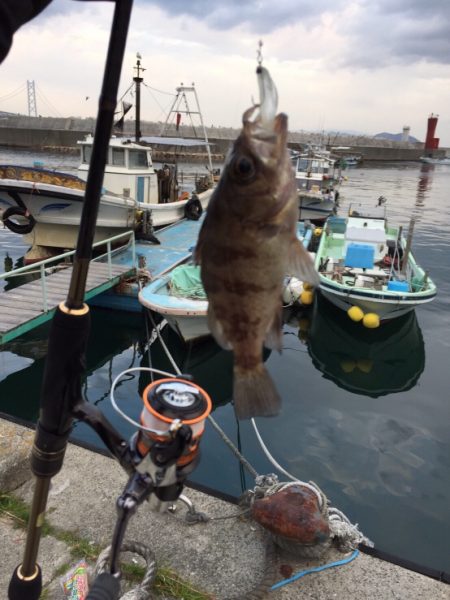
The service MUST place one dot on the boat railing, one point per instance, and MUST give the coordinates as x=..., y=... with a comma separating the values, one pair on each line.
x=60, y=261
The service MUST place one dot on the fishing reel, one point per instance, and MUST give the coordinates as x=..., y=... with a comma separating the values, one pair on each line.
x=163, y=451
x=166, y=446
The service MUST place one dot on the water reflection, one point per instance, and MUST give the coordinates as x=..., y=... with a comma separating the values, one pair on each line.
x=369, y=362
x=209, y=365
x=424, y=184
x=117, y=341
x=21, y=377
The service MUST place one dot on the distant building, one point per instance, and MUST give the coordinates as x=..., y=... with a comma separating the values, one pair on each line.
x=405, y=134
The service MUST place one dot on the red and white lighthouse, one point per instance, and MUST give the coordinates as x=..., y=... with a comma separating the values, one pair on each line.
x=431, y=142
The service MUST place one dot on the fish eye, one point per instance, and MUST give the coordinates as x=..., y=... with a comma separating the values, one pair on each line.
x=244, y=167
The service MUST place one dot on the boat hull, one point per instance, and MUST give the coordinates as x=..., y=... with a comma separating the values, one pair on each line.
x=56, y=211
x=189, y=328
x=187, y=316
x=315, y=207
x=385, y=307
x=171, y=212
x=435, y=161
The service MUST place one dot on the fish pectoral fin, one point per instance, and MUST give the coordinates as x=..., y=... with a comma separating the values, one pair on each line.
x=216, y=329
x=300, y=264
x=274, y=336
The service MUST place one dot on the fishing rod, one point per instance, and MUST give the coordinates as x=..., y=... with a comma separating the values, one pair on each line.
x=61, y=389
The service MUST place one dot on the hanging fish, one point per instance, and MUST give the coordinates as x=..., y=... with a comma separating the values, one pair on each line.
x=246, y=246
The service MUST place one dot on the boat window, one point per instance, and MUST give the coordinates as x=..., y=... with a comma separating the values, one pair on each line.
x=138, y=159
x=302, y=164
x=87, y=153
x=118, y=157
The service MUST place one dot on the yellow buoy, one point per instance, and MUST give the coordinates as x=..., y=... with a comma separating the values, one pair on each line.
x=318, y=231
x=355, y=313
x=307, y=286
x=365, y=365
x=307, y=297
x=371, y=321
x=348, y=365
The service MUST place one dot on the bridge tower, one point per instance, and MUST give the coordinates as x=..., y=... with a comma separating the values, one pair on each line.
x=32, y=110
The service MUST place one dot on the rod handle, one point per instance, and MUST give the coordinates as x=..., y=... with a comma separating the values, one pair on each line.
x=25, y=588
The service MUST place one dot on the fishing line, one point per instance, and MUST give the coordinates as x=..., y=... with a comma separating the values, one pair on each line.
x=122, y=413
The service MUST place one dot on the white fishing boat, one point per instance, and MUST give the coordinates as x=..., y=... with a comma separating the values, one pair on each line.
x=317, y=184
x=367, y=268
x=179, y=296
x=430, y=160
x=350, y=161
x=45, y=206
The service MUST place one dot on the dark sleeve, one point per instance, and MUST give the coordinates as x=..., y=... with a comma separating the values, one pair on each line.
x=13, y=14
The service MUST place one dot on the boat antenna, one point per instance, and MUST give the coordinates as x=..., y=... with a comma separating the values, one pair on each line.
x=65, y=363
x=137, y=85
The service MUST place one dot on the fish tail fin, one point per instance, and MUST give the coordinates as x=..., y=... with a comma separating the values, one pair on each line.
x=255, y=394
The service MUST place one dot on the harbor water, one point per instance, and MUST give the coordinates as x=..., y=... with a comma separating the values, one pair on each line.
x=366, y=413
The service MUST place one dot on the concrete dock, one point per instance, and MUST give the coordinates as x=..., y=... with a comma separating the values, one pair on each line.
x=224, y=558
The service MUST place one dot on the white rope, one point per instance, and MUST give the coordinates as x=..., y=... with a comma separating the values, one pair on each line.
x=310, y=486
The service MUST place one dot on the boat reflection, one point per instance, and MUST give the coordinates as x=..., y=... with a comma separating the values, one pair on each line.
x=210, y=366
x=23, y=360
x=117, y=341
x=369, y=362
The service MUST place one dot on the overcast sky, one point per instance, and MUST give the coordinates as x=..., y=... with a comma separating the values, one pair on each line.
x=362, y=66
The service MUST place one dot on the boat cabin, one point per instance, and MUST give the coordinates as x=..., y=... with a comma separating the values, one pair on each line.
x=312, y=171
x=129, y=169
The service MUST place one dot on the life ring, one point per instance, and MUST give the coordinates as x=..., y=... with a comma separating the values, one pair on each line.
x=18, y=211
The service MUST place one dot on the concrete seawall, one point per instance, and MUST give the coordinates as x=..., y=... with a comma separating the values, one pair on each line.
x=65, y=140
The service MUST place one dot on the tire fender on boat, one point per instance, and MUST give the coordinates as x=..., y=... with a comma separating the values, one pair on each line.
x=193, y=208
x=18, y=211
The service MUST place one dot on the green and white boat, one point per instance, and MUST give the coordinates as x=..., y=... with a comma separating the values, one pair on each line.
x=366, y=267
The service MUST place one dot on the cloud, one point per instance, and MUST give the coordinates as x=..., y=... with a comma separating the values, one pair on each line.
x=382, y=33
x=344, y=64
x=262, y=16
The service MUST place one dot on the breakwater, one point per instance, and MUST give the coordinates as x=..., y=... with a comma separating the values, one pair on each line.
x=63, y=137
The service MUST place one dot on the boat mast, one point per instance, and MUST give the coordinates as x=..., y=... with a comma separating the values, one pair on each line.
x=408, y=246
x=137, y=81
x=176, y=108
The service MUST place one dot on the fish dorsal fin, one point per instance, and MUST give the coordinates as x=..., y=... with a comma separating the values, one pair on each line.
x=300, y=264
